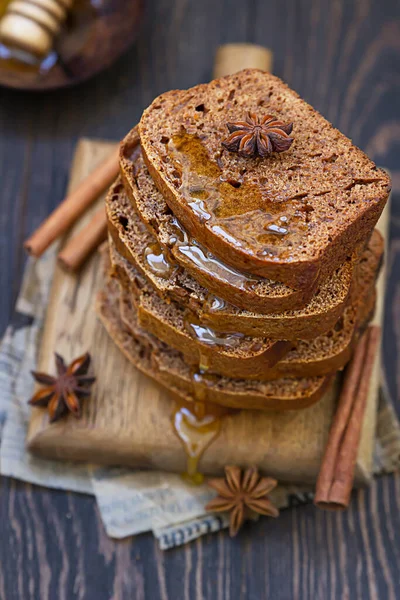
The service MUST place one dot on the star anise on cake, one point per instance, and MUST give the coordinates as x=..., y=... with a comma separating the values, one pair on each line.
x=63, y=393
x=258, y=136
x=242, y=493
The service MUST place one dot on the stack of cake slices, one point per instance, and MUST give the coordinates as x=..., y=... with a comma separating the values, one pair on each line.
x=241, y=278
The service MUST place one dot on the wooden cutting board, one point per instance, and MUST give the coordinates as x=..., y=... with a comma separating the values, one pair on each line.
x=127, y=421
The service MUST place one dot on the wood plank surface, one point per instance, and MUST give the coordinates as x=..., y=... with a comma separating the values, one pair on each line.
x=342, y=57
x=128, y=418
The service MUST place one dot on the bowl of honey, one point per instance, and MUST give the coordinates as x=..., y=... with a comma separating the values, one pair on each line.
x=50, y=44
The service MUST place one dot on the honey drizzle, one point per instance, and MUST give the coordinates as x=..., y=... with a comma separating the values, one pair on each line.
x=206, y=335
x=259, y=218
x=196, y=426
x=206, y=261
x=215, y=304
x=204, y=361
x=157, y=260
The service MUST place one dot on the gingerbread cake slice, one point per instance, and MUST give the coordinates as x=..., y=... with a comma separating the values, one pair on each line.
x=218, y=352
x=238, y=356
x=245, y=291
x=289, y=212
x=142, y=249
x=167, y=366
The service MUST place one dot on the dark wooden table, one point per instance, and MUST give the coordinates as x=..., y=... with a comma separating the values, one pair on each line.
x=343, y=57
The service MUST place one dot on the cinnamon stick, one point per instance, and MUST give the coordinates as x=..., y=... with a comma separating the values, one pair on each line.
x=80, y=247
x=335, y=480
x=73, y=205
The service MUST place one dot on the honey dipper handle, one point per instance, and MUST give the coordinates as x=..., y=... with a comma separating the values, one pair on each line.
x=231, y=58
x=31, y=25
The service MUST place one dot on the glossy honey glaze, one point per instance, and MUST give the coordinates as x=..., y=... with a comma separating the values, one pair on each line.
x=187, y=251
x=253, y=217
x=209, y=337
x=158, y=261
x=197, y=425
x=190, y=250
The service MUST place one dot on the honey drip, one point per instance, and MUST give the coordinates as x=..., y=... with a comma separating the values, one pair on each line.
x=204, y=362
x=261, y=219
x=206, y=261
x=157, y=260
x=209, y=263
x=209, y=337
x=198, y=207
x=179, y=235
x=196, y=426
x=161, y=265
x=215, y=304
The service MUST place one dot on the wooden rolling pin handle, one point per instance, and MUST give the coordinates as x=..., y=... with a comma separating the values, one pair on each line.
x=31, y=25
x=231, y=58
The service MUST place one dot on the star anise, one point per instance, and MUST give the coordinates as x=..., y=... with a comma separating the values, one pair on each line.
x=64, y=391
x=242, y=494
x=256, y=136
